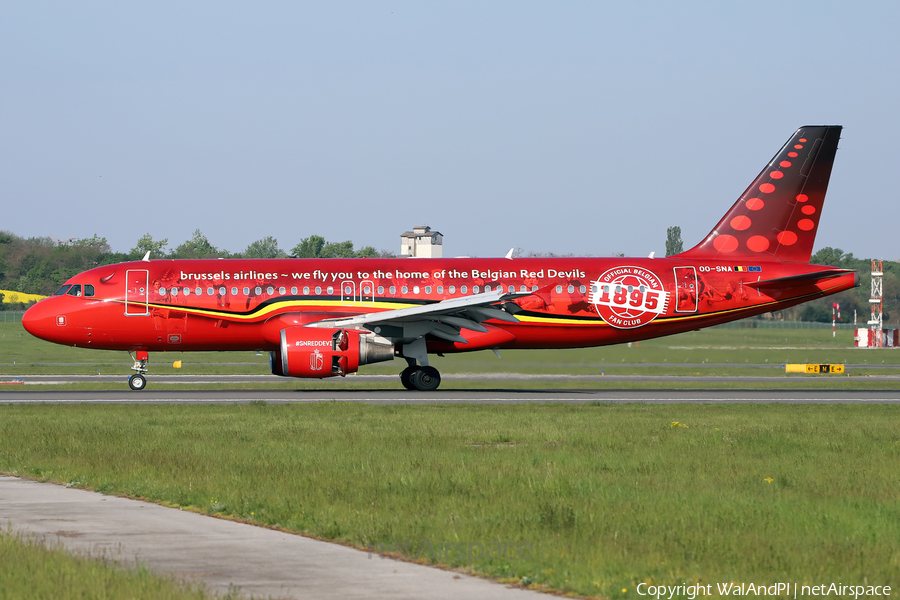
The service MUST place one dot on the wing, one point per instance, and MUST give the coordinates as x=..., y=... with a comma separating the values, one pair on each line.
x=446, y=319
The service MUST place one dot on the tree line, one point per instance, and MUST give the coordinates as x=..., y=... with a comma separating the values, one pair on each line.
x=40, y=265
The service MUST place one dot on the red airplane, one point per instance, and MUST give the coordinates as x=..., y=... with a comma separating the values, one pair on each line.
x=320, y=318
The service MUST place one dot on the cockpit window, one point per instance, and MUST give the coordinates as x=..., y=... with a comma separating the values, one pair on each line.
x=88, y=291
x=75, y=290
x=62, y=291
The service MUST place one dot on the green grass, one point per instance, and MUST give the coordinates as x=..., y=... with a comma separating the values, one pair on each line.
x=30, y=570
x=593, y=498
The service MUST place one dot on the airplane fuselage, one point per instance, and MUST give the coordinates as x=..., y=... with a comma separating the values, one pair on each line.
x=244, y=304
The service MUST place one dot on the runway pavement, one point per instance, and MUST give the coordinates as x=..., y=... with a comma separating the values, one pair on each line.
x=260, y=562
x=475, y=396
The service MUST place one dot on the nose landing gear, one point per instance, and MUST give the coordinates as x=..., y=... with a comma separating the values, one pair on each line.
x=137, y=381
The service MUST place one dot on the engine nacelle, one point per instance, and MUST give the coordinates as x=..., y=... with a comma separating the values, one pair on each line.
x=319, y=352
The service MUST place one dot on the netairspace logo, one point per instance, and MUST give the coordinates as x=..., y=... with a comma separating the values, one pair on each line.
x=789, y=590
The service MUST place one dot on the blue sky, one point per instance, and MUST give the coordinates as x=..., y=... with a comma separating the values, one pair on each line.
x=570, y=127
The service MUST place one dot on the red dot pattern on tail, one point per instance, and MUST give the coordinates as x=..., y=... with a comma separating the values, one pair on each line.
x=758, y=243
x=741, y=222
x=755, y=204
x=777, y=216
x=786, y=238
x=725, y=243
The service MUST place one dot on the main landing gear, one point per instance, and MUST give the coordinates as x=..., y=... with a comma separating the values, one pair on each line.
x=418, y=375
x=137, y=381
x=424, y=379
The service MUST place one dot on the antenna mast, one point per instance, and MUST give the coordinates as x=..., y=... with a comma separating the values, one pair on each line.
x=876, y=322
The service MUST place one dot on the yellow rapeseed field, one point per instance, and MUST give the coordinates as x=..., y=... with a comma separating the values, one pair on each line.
x=10, y=296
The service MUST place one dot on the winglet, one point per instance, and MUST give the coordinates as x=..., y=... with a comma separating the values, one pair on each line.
x=146, y=257
x=509, y=254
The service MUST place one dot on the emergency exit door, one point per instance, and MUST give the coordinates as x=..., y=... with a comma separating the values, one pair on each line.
x=686, y=290
x=137, y=293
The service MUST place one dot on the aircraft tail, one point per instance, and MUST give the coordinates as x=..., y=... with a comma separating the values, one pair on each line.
x=777, y=216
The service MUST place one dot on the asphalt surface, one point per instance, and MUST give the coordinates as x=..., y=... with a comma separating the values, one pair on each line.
x=482, y=396
x=225, y=554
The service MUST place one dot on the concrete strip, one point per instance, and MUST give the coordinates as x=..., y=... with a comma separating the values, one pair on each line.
x=222, y=553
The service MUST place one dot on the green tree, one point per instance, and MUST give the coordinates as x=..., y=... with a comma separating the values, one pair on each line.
x=264, y=248
x=96, y=243
x=367, y=252
x=674, y=245
x=338, y=250
x=147, y=244
x=834, y=257
x=310, y=247
x=196, y=247
x=315, y=246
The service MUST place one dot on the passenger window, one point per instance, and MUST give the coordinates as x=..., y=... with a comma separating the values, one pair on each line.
x=440, y=289
x=210, y=291
x=257, y=290
x=282, y=290
x=380, y=290
x=222, y=290
x=415, y=289
x=294, y=291
x=330, y=290
x=198, y=291
x=162, y=291
x=75, y=290
x=234, y=291
x=463, y=289
x=474, y=289
x=174, y=291
x=318, y=290
x=306, y=290
x=512, y=288
x=404, y=289
x=393, y=289
x=89, y=291
x=246, y=291
x=571, y=289
x=452, y=289
x=270, y=290
x=534, y=288
x=62, y=291
x=582, y=289
x=187, y=291
x=487, y=288
x=559, y=289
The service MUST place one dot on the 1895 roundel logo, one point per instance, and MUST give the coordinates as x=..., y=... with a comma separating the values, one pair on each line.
x=629, y=297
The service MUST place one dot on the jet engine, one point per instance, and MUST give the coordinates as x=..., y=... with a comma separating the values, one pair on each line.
x=320, y=352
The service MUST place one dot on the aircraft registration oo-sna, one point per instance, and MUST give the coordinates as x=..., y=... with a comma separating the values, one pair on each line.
x=327, y=317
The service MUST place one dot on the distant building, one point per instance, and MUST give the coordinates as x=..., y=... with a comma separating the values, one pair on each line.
x=421, y=242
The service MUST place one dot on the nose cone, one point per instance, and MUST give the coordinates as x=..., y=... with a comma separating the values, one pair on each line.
x=39, y=319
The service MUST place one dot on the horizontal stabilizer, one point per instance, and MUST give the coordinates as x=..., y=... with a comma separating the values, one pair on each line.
x=797, y=280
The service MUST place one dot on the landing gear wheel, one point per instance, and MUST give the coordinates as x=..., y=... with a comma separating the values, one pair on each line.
x=137, y=382
x=425, y=379
x=406, y=376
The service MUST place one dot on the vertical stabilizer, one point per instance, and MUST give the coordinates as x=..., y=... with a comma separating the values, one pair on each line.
x=778, y=215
